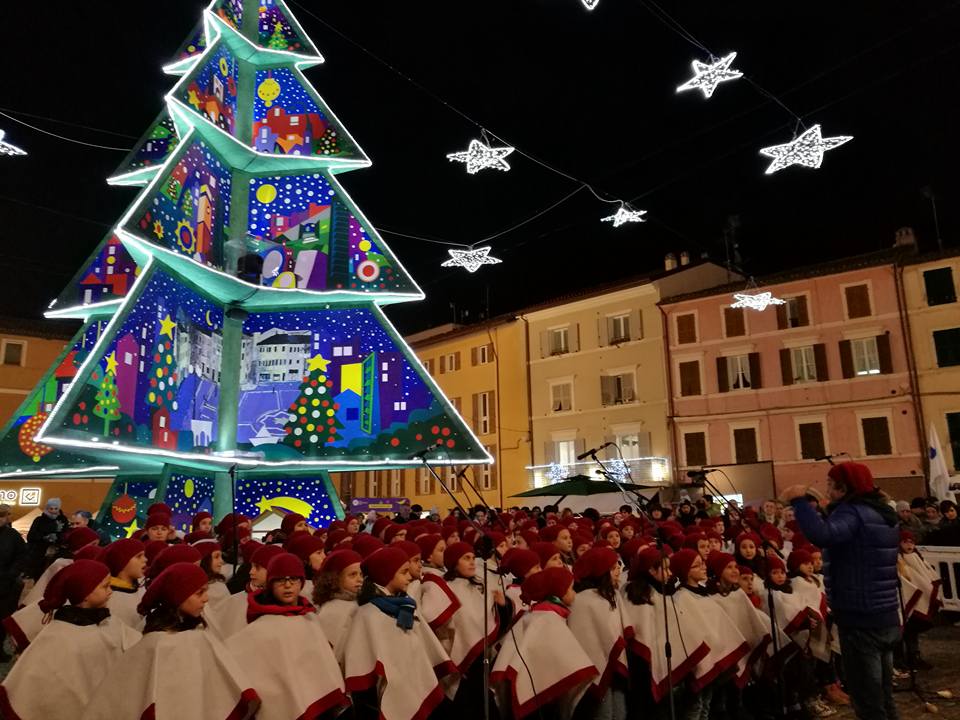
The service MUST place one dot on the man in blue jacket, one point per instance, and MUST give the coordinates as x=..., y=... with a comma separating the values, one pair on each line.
x=860, y=540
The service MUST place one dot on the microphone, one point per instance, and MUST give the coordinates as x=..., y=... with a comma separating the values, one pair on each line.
x=699, y=473
x=423, y=453
x=594, y=451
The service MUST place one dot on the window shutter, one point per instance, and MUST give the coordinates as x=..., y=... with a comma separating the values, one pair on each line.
x=782, y=323
x=636, y=319
x=876, y=436
x=756, y=376
x=811, y=441
x=456, y=361
x=733, y=322
x=476, y=412
x=846, y=359
x=695, y=448
x=493, y=410
x=629, y=394
x=604, y=330
x=786, y=366
x=858, y=301
x=473, y=356
x=686, y=329
x=820, y=357
x=544, y=344
x=690, y=377
x=443, y=364
x=745, y=445
x=723, y=382
x=884, y=354
x=490, y=354
x=606, y=390
x=803, y=318
x=575, y=338
x=581, y=445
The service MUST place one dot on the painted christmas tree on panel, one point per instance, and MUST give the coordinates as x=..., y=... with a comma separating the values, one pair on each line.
x=241, y=325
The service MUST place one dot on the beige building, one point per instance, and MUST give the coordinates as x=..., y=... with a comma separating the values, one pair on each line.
x=597, y=375
x=27, y=350
x=930, y=284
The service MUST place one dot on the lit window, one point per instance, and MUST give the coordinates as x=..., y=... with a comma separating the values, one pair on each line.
x=866, y=359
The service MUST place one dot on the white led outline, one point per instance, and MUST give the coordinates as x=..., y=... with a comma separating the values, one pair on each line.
x=81, y=312
x=758, y=302
x=308, y=60
x=64, y=471
x=717, y=72
x=777, y=153
x=471, y=259
x=491, y=158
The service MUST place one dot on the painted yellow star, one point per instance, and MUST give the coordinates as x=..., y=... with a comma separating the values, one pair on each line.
x=112, y=363
x=264, y=505
x=317, y=363
x=166, y=326
x=132, y=528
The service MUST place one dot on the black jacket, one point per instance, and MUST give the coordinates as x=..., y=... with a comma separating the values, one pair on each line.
x=12, y=551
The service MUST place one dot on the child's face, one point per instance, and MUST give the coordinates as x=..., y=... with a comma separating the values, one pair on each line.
x=401, y=579
x=287, y=590
x=615, y=573
x=698, y=571
x=502, y=548
x=746, y=583
x=205, y=526
x=193, y=605
x=158, y=532
x=554, y=561
x=216, y=562
x=436, y=557
x=778, y=576
x=100, y=595
x=817, y=562
x=581, y=549
x=715, y=546
x=788, y=534
x=614, y=539
x=569, y=596
x=703, y=547
x=135, y=567
x=806, y=569
x=748, y=549
x=627, y=531
x=907, y=546
x=951, y=513
x=351, y=579
x=416, y=567
x=467, y=566
x=519, y=542
x=730, y=574
x=258, y=575
x=316, y=560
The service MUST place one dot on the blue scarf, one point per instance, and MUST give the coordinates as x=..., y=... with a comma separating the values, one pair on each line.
x=401, y=608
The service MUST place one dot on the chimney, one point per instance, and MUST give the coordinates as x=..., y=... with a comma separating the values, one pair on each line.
x=684, y=258
x=670, y=261
x=905, y=237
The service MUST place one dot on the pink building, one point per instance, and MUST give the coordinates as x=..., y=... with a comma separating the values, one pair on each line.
x=825, y=373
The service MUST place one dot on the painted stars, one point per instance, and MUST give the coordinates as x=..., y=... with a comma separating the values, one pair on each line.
x=706, y=76
x=471, y=260
x=480, y=156
x=112, y=363
x=807, y=150
x=167, y=326
x=317, y=362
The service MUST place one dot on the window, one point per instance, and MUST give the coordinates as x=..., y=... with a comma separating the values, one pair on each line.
x=812, y=445
x=946, y=342
x=734, y=322
x=561, y=397
x=745, y=445
x=633, y=444
x=453, y=480
x=565, y=452
x=400, y=406
x=689, y=377
x=866, y=360
x=618, y=329
x=373, y=484
x=428, y=364
x=13, y=352
x=483, y=413
x=695, y=448
x=793, y=313
x=481, y=355
x=858, y=301
x=686, y=329
x=559, y=341
x=396, y=483
x=425, y=482
x=450, y=362
x=738, y=372
x=457, y=404
x=804, y=364
x=483, y=475
x=617, y=389
x=876, y=435
x=953, y=437
x=939, y=286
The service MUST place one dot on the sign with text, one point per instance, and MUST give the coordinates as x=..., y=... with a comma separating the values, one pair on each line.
x=27, y=496
x=380, y=505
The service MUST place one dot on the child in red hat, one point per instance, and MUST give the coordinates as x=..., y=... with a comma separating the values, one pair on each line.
x=335, y=595
x=437, y=601
x=520, y=564
x=312, y=552
x=299, y=677
x=414, y=554
x=597, y=623
x=56, y=676
x=922, y=598
x=541, y=667
x=179, y=669
x=202, y=523
x=127, y=560
x=394, y=665
x=230, y=616
x=77, y=540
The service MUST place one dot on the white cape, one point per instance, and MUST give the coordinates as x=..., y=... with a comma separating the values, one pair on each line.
x=334, y=618
x=753, y=624
x=599, y=630
x=35, y=594
x=123, y=606
x=229, y=617
x=727, y=646
x=462, y=635
x=920, y=584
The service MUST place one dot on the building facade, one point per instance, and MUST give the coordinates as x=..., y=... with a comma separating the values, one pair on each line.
x=824, y=373
x=933, y=317
x=597, y=376
x=27, y=350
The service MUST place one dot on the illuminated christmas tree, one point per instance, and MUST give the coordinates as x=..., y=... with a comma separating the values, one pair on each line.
x=242, y=284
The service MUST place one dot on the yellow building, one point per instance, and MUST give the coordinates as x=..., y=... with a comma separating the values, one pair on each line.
x=27, y=350
x=482, y=369
x=597, y=375
x=930, y=284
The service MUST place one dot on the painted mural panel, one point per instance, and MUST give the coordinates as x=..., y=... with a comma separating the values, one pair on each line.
x=157, y=381
x=276, y=32
x=18, y=446
x=155, y=147
x=109, y=275
x=335, y=384
x=124, y=511
x=195, y=44
x=190, y=206
x=212, y=89
x=230, y=11
x=288, y=119
x=313, y=497
x=309, y=239
x=187, y=494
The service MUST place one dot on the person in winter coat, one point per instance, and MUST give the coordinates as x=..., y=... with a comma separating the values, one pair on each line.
x=43, y=537
x=12, y=548
x=860, y=541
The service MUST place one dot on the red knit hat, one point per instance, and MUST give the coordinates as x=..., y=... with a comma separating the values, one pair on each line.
x=447, y=531
x=582, y=539
x=906, y=535
x=265, y=554
x=340, y=560
x=285, y=565
x=392, y=531
x=366, y=544
x=427, y=544
x=856, y=476
x=207, y=547
x=73, y=584
x=171, y=587
x=745, y=570
x=644, y=561
x=90, y=552
x=248, y=549
x=552, y=581
x=173, y=554
x=383, y=564
x=153, y=548
x=756, y=539
x=303, y=546
x=198, y=518
x=545, y=551
x=770, y=533
x=234, y=535
x=798, y=558
x=290, y=521
x=335, y=537
x=495, y=536
x=530, y=537
x=551, y=532
x=693, y=540
x=681, y=562
x=195, y=537
x=632, y=546
x=119, y=553
x=595, y=563
x=379, y=525
x=410, y=548
x=157, y=519
x=775, y=563
x=81, y=536
x=519, y=562
x=453, y=553
x=160, y=507
x=718, y=561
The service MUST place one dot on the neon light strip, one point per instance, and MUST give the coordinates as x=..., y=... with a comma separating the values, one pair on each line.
x=82, y=311
x=307, y=60
x=72, y=471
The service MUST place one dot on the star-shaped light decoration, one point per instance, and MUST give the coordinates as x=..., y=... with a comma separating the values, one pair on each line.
x=557, y=473
x=471, y=260
x=166, y=326
x=590, y=4
x=317, y=362
x=625, y=214
x=706, y=76
x=8, y=148
x=132, y=529
x=112, y=363
x=480, y=156
x=618, y=470
x=807, y=149
x=759, y=302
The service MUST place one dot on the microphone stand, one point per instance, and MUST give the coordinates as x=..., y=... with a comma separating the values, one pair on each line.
x=233, y=502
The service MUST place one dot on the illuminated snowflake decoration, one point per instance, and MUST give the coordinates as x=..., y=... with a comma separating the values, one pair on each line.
x=471, y=260
x=9, y=149
x=807, y=149
x=617, y=470
x=706, y=76
x=590, y=4
x=625, y=215
x=557, y=473
x=760, y=301
x=480, y=156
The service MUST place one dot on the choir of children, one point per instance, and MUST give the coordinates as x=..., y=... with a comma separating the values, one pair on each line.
x=393, y=624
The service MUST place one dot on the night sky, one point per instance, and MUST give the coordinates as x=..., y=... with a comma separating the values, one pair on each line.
x=591, y=94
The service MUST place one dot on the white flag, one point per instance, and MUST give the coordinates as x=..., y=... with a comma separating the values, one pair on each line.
x=939, y=475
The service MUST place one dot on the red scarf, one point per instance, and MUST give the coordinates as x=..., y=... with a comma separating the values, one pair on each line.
x=551, y=606
x=260, y=605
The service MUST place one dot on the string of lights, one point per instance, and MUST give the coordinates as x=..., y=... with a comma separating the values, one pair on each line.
x=63, y=137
